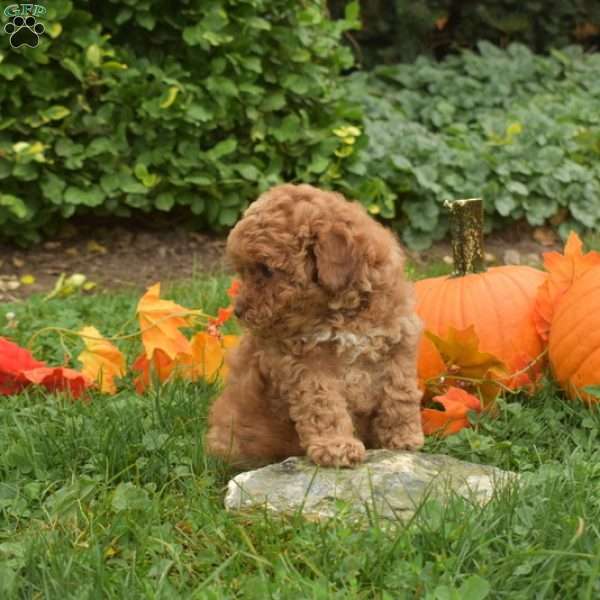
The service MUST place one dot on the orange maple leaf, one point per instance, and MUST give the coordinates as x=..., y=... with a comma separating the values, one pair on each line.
x=160, y=321
x=457, y=403
x=102, y=361
x=160, y=366
x=59, y=379
x=466, y=365
x=563, y=270
x=223, y=316
x=208, y=356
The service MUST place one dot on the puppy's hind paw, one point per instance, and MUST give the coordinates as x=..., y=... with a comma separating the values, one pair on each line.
x=345, y=452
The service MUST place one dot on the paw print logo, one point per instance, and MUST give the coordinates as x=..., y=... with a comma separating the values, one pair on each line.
x=24, y=32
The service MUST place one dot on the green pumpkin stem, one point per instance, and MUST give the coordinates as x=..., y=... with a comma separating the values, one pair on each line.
x=466, y=230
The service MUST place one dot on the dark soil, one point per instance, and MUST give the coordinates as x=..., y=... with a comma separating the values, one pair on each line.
x=137, y=256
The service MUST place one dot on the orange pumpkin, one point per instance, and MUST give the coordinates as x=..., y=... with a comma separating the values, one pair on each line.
x=498, y=302
x=574, y=345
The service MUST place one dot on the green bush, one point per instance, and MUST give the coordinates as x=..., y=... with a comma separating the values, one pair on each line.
x=400, y=30
x=519, y=129
x=137, y=105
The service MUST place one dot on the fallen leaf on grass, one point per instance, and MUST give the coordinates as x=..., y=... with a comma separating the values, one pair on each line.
x=59, y=379
x=159, y=366
x=206, y=361
x=94, y=247
x=102, y=361
x=208, y=356
x=457, y=403
x=13, y=361
x=160, y=321
x=465, y=363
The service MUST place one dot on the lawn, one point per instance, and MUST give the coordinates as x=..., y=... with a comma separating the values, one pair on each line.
x=116, y=499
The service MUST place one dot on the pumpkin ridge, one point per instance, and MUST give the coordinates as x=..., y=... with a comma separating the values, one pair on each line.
x=498, y=324
x=439, y=309
x=572, y=364
x=573, y=327
x=585, y=360
x=516, y=281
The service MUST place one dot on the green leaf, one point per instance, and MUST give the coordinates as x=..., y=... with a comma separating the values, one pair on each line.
x=56, y=112
x=290, y=129
x=273, y=101
x=352, y=11
x=201, y=180
x=222, y=149
x=53, y=187
x=10, y=71
x=146, y=20
x=197, y=112
x=299, y=84
x=516, y=187
x=93, y=55
x=140, y=171
x=73, y=68
x=165, y=201
x=197, y=205
x=505, y=204
x=228, y=216
x=129, y=497
x=14, y=205
x=248, y=171
x=592, y=390
x=474, y=588
x=92, y=196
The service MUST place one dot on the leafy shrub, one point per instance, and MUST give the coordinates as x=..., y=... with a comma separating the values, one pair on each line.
x=519, y=129
x=400, y=30
x=138, y=105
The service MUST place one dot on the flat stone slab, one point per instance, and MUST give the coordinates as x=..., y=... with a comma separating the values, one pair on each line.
x=390, y=483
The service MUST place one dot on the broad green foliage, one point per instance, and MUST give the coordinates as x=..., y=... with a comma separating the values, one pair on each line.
x=137, y=105
x=521, y=130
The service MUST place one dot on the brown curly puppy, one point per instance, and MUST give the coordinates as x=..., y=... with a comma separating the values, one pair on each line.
x=328, y=363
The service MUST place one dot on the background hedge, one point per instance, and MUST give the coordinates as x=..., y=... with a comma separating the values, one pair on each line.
x=520, y=129
x=401, y=30
x=140, y=105
x=128, y=107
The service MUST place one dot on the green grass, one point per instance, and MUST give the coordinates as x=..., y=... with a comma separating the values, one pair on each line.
x=116, y=499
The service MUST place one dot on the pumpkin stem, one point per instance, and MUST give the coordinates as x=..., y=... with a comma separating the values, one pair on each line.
x=466, y=229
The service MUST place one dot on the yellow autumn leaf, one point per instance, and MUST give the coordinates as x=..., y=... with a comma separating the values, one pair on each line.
x=160, y=321
x=171, y=96
x=27, y=279
x=102, y=361
x=208, y=357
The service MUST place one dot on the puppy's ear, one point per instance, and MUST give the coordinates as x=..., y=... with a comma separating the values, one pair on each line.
x=336, y=257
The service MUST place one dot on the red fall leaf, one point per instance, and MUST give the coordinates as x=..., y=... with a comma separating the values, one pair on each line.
x=13, y=361
x=457, y=403
x=61, y=379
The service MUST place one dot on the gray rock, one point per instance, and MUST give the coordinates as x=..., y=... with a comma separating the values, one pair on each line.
x=390, y=483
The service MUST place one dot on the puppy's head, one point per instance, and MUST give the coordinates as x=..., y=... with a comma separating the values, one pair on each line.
x=302, y=254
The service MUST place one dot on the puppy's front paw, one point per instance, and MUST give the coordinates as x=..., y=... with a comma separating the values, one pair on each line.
x=345, y=452
x=409, y=440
